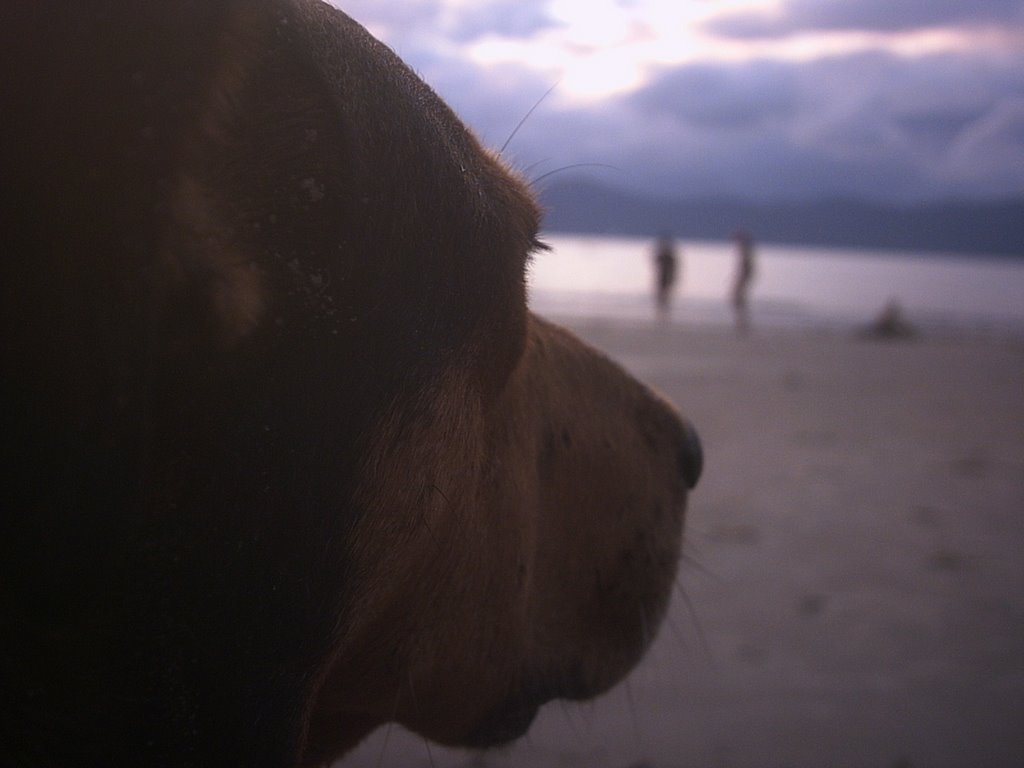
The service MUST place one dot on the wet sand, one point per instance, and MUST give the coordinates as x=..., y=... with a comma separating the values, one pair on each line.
x=852, y=591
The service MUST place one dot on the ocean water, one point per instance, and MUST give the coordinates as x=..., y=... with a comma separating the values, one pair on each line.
x=595, y=277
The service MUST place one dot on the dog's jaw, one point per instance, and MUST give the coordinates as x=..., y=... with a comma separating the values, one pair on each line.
x=569, y=510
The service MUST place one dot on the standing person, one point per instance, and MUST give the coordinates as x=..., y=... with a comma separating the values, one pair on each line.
x=744, y=276
x=666, y=266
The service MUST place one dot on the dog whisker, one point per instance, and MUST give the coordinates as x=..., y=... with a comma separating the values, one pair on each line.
x=449, y=506
x=412, y=693
x=567, y=713
x=677, y=633
x=430, y=753
x=387, y=729
x=425, y=507
x=645, y=628
x=535, y=182
x=525, y=171
x=440, y=493
x=697, y=626
x=631, y=702
x=525, y=118
x=384, y=745
x=430, y=531
x=587, y=714
x=692, y=562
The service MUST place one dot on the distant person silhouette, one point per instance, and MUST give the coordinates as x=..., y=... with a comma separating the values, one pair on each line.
x=743, y=279
x=666, y=268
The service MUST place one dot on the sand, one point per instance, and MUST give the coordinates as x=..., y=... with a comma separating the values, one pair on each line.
x=852, y=591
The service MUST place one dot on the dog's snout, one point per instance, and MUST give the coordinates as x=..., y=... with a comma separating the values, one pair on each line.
x=691, y=456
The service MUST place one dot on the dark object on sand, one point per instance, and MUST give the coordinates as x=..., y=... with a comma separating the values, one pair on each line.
x=891, y=324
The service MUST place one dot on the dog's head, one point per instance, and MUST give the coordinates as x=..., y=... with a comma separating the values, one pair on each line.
x=278, y=410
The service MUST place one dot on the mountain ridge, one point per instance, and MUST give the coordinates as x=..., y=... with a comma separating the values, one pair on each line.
x=994, y=227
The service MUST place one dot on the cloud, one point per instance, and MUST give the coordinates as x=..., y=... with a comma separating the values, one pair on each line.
x=388, y=19
x=991, y=149
x=722, y=97
x=439, y=21
x=797, y=16
x=503, y=18
x=869, y=125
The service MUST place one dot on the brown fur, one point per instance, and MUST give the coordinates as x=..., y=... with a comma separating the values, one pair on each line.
x=288, y=456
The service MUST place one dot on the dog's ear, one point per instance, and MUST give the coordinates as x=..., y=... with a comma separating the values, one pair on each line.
x=320, y=182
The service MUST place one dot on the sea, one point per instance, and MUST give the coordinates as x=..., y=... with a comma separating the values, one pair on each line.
x=803, y=287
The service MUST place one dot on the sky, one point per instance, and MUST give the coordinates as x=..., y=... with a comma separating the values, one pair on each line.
x=895, y=101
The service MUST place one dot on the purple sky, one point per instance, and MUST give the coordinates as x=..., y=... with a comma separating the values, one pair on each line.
x=890, y=100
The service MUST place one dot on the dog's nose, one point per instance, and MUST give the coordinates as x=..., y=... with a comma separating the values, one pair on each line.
x=691, y=456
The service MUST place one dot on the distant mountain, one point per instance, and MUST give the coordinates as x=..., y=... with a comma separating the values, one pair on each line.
x=995, y=227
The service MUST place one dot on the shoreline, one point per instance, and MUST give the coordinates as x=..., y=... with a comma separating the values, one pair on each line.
x=705, y=315
x=832, y=289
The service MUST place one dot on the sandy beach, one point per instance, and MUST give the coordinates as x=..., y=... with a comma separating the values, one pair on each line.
x=852, y=591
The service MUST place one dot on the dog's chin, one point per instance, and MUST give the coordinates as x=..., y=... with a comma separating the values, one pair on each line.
x=502, y=726
x=512, y=718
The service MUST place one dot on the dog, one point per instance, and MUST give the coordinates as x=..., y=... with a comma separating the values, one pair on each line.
x=287, y=457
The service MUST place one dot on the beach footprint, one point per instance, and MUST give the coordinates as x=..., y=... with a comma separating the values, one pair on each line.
x=811, y=605
x=734, y=533
x=973, y=465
